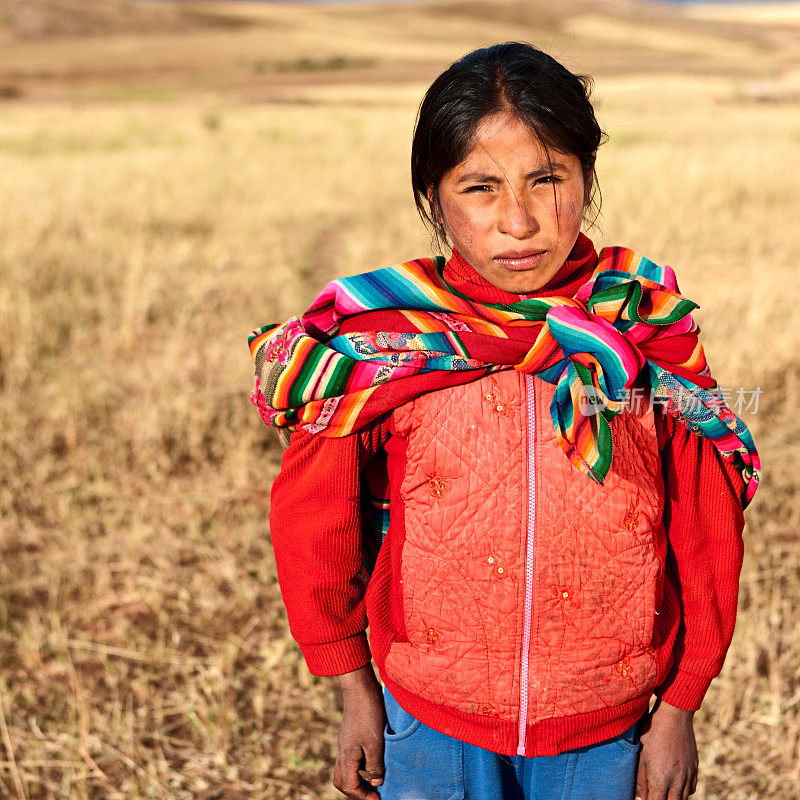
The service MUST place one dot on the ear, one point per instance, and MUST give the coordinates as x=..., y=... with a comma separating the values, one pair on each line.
x=434, y=204
x=588, y=180
x=587, y=190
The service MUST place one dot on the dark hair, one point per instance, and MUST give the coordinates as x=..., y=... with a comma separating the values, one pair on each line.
x=548, y=98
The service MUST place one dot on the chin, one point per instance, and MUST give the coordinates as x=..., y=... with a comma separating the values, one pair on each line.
x=520, y=283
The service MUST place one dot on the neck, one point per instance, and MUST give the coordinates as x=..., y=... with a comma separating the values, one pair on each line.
x=574, y=272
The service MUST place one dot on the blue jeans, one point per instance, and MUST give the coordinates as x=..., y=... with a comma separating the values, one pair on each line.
x=423, y=764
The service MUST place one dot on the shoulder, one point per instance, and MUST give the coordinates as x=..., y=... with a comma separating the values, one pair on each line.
x=400, y=271
x=625, y=260
x=397, y=286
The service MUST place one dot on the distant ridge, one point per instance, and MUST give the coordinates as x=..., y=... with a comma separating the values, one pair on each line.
x=34, y=19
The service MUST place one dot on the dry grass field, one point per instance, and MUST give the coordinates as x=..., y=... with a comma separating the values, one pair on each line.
x=173, y=175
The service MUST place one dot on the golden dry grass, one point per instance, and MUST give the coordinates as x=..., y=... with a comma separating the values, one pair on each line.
x=174, y=176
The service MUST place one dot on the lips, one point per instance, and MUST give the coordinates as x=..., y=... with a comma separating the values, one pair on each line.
x=520, y=259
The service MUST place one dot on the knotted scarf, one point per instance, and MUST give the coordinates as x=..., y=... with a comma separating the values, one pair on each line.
x=627, y=320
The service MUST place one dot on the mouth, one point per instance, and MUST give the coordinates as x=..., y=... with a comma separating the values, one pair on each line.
x=520, y=259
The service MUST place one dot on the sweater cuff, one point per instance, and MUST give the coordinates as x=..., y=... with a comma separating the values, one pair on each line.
x=684, y=690
x=337, y=658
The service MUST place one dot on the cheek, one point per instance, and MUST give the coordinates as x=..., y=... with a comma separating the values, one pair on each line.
x=463, y=224
x=570, y=209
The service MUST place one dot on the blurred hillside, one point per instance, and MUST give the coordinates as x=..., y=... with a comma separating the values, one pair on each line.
x=175, y=174
x=251, y=51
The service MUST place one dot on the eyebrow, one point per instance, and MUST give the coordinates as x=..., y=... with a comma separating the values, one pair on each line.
x=480, y=177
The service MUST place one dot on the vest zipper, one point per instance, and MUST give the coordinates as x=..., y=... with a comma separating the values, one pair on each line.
x=526, y=630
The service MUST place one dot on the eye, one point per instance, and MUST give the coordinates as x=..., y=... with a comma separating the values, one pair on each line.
x=478, y=187
x=545, y=179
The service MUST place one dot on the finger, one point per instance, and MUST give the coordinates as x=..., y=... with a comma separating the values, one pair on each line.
x=678, y=791
x=693, y=780
x=656, y=790
x=373, y=763
x=685, y=784
x=337, y=779
x=363, y=792
x=351, y=784
x=641, y=780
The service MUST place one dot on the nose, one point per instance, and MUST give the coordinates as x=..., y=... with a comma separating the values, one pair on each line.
x=517, y=216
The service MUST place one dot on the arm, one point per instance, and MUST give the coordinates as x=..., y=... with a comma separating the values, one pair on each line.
x=315, y=521
x=315, y=524
x=704, y=521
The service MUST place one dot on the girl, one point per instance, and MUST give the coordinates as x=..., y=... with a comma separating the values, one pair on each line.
x=532, y=431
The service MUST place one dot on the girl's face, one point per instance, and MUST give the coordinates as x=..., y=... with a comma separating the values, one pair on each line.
x=498, y=205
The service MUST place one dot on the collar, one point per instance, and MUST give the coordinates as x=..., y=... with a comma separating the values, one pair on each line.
x=574, y=272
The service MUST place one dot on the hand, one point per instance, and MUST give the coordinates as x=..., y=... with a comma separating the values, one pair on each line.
x=668, y=759
x=360, y=736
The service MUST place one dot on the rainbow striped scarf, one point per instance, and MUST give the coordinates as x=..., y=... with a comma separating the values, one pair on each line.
x=629, y=317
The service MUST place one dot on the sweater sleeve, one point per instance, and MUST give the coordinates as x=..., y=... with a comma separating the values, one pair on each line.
x=704, y=521
x=316, y=526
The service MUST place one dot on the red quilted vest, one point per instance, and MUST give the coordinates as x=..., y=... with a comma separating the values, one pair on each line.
x=519, y=592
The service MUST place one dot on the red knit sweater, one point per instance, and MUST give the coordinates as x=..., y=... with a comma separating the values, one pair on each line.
x=315, y=521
